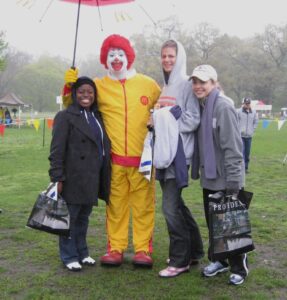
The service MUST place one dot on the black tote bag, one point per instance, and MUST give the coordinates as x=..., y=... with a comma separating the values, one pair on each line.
x=50, y=215
x=245, y=197
x=230, y=227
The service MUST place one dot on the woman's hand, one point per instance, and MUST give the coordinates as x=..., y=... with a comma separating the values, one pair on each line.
x=60, y=187
x=150, y=121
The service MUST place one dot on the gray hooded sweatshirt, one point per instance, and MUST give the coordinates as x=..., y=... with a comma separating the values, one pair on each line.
x=178, y=91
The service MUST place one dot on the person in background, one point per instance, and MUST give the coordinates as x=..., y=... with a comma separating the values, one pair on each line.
x=125, y=99
x=218, y=157
x=8, y=119
x=176, y=118
x=248, y=121
x=80, y=164
x=2, y=115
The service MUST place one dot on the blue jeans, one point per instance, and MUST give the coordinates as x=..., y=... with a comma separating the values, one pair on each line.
x=75, y=248
x=185, y=239
x=246, y=150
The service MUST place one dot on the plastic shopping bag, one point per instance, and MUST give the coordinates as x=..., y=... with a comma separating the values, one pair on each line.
x=230, y=227
x=49, y=214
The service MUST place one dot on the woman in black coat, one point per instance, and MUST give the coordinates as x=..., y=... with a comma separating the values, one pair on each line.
x=80, y=163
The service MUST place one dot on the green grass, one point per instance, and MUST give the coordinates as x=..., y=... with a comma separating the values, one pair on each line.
x=29, y=262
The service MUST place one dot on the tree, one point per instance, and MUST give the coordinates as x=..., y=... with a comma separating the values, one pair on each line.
x=204, y=38
x=92, y=67
x=14, y=62
x=168, y=28
x=274, y=43
x=148, y=55
x=40, y=82
x=3, y=47
x=148, y=46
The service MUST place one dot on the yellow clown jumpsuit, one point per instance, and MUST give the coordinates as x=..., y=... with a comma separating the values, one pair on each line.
x=125, y=108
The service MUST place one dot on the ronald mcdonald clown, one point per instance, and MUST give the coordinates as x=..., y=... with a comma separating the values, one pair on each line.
x=125, y=99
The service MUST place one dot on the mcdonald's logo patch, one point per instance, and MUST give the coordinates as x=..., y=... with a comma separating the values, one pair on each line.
x=144, y=100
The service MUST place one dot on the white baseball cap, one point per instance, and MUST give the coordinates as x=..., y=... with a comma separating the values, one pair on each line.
x=205, y=73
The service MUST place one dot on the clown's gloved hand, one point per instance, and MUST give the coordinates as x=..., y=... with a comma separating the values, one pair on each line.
x=176, y=111
x=71, y=76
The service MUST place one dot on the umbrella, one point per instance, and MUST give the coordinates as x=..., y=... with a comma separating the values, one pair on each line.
x=97, y=3
x=92, y=3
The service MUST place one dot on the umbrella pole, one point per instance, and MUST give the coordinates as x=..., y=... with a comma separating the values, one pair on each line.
x=76, y=35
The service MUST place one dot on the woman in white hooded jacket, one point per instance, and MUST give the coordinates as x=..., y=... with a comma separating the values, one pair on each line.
x=185, y=240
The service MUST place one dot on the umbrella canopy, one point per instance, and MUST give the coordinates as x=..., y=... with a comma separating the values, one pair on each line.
x=92, y=3
x=99, y=2
x=11, y=100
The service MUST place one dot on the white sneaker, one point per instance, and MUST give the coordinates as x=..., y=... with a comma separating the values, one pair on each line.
x=88, y=261
x=74, y=266
x=236, y=279
x=214, y=268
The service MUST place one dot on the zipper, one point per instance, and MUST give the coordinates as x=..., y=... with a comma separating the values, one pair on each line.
x=247, y=123
x=100, y=127
x=126, y=117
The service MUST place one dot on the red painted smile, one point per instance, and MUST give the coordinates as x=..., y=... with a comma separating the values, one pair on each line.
x=117, y=65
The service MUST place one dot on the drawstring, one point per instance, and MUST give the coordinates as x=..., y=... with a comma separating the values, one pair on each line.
x=99, y=125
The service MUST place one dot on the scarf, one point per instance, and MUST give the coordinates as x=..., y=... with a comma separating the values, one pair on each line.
x=207, y=136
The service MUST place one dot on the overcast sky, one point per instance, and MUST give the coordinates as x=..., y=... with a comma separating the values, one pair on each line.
x=54, y=35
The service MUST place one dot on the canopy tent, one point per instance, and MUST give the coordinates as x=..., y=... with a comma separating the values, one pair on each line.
x=12, y=100
x=261, y=108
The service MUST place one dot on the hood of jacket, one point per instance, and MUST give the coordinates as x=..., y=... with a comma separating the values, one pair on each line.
x=80, y=81
x=179, y=69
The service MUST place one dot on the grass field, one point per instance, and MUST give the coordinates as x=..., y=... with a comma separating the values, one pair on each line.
x=30, y=267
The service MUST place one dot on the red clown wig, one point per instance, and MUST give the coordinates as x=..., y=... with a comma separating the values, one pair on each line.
x=117, y=41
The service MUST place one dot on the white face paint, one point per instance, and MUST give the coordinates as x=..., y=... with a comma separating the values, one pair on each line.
x=117, y=60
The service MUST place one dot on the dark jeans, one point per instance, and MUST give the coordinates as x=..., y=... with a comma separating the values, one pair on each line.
x=185, y=239
x=246, y=150
x=74, y=248
x=238, y=263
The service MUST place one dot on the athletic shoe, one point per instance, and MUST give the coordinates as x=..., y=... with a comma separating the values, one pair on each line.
x=142, y=258
x=113, y=258
x=88, y=261
x=236, y=279
x=73, y=266
x=170, y=272
x=214, y=268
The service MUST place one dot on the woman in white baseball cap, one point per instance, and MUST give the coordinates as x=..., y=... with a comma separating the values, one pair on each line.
x=218, y=157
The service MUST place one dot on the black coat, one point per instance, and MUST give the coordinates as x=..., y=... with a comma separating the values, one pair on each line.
x=75, y=160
